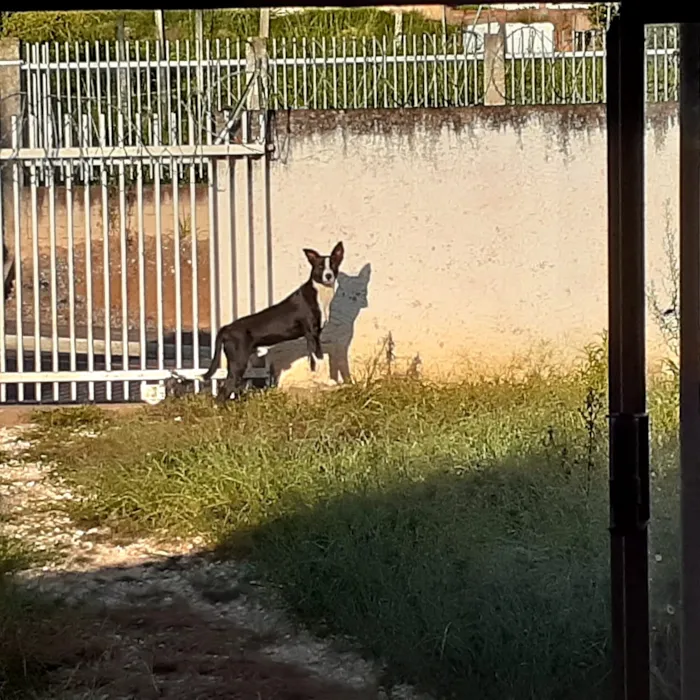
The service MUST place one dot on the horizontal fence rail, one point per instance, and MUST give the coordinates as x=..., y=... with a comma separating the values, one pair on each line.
x=132, y=93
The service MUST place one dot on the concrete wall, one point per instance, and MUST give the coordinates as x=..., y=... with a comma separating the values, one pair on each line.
x=471, y=235
x=485, y=228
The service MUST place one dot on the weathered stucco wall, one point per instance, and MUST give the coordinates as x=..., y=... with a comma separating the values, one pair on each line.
x=471, y=235
x=485, y=229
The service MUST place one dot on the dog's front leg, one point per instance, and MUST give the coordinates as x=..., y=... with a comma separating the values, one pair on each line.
x=311, y=350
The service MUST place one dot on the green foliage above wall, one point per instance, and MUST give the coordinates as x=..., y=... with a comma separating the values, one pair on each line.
x=102, y=25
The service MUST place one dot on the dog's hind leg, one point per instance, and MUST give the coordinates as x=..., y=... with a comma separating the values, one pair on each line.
x=237, y=355
x=231, y=386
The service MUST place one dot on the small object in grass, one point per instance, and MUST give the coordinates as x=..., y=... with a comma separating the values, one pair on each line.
x=152, y=394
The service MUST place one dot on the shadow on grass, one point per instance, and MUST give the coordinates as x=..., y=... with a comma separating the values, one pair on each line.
x=492, y=584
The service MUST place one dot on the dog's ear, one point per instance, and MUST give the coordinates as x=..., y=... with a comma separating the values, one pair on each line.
x=337, y=253
x=312, y=256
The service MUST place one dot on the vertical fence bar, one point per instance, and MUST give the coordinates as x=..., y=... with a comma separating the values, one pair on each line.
x=177, y=271
x=123, y=254
x=98, y=83
x=230, y=99
x=46, y=96
x=345, y=74
x=88, y=263
x=210, y=110
x=139, y=113
x=304, y=76
x=159, y=89
x=445, y=92
x=17, y=207
x=404, y=60
x=71, y=259
x=385, y=71
x=157, y=203
x=195, y=270
x=69, y=95
x=178, y=77
x=455, y=73
x=426, y=73
x=126, y=57
x=334, y=44
x=36, y=288
x=414, y=58
x=168, y=94
x=59, y=94
x=106, y=277
x=285, y=76
x=141, y=261
x=53, y=275
x=78, y=89
x=375, y=80
x=218, y=74
x=109, y=105
x=190, y=107
x=355, y=92
x=213, y=259
x=267, y=220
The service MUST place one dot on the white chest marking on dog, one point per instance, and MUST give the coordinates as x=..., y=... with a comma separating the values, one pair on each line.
x=261, y=351
x=324, y=296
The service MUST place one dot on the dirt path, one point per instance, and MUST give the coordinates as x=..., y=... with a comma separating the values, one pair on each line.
x=153, y=620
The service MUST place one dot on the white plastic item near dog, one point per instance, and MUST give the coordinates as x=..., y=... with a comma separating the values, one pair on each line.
x=152, y=394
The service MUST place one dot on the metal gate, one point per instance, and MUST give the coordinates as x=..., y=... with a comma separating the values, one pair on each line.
x=135, y=214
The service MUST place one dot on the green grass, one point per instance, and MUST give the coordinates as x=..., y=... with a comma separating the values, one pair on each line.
x=459, y=532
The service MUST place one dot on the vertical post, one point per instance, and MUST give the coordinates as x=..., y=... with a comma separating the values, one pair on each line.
x=256, y=68
x=690, y=358
x=199, y=26
x=199, y=51
x=264, y=30
x=225, y=251
x=398, y=26
x=160, y=28
x=495, y=68
x=629, y=428
x=10, y=106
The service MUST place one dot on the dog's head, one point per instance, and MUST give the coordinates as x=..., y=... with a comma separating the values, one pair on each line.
x=324, y=268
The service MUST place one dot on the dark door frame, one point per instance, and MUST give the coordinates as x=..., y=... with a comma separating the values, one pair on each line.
x=629, y=423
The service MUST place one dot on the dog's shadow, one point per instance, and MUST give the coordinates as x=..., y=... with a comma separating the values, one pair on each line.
x=350, y=298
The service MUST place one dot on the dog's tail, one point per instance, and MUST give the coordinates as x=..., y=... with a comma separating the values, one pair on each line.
x=216, y=360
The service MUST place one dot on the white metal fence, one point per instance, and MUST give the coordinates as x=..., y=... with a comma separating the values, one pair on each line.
x=124, y=262
x=168, y=95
